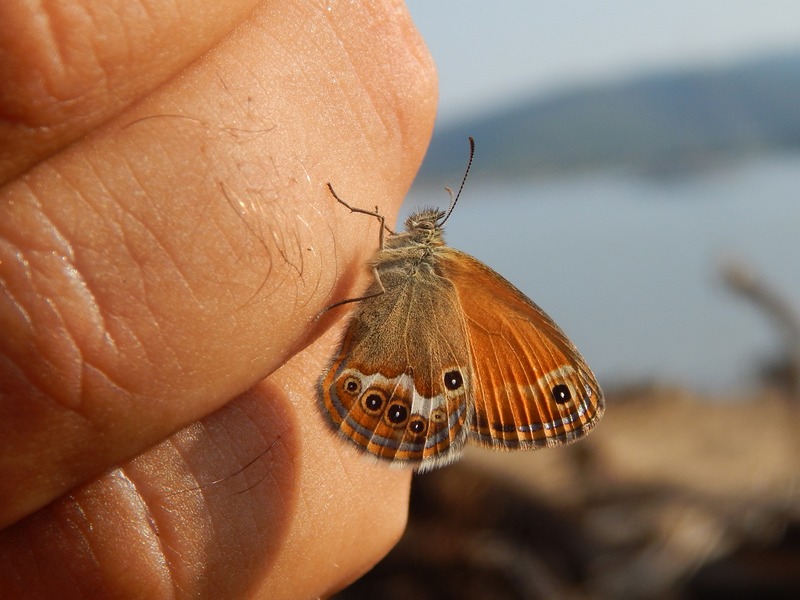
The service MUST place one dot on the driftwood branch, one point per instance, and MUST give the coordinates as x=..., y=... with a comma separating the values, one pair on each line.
x=745, y=281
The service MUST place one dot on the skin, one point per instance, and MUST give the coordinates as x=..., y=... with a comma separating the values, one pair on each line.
x=166, y=241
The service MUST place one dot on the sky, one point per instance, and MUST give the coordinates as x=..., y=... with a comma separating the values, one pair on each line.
x=490, y=53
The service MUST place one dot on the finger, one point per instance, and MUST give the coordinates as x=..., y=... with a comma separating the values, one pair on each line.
x=70, y=66
x=259, y=498
x=162, y=265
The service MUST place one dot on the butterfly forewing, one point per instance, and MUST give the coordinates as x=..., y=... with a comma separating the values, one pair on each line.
x=531, y=387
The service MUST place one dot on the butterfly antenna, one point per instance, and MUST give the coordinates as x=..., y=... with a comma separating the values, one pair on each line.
x=454, y=199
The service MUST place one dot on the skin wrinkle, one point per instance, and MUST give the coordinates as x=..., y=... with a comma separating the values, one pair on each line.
x=401, y=91
x=154, y=242
x=363, y=117
x=168, y=556
x=88, y=300
x=103, y=72
x=213, y=530
x=25, y=267
x=120, y=391
x=139, y=259
x=68, y=32
x=188, y=289
x=70, y=382
x=153, y=534
x=147, y=302
x=40, y=262
x=100, y=333
x=90, y=307
x=71, y=530
x=151, y=16
x=81, y=523
x=295, y=70
x=83, y=198
x=45, y=33
x=220, y=443
x=64, y=93
x=63, y=246
x=173, y=257
x=242, y=252
x=173, y=558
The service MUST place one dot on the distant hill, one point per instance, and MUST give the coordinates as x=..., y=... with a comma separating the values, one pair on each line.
x=662, y=123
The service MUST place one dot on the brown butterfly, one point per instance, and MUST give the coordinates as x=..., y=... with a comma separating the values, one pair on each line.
x=443, y=351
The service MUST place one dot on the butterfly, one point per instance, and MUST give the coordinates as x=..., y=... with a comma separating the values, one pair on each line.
x=443, y=351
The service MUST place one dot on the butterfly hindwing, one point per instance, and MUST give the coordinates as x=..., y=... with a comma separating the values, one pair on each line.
x=398, y=386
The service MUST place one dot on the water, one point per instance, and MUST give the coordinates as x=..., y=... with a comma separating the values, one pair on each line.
x=630, y=267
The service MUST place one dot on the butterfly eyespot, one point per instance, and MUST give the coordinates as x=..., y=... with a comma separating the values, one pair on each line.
x=352, y=385
x=561, y=393
x=373, y=402
x=453, y=380
x=438, y=415
x=417, y=426
x=397, y=414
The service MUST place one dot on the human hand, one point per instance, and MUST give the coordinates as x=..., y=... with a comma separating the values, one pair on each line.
x=166, y=240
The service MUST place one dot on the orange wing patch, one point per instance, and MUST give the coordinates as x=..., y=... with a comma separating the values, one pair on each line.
x=532, y=388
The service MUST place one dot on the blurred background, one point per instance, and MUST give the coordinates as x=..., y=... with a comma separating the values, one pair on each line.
x=636, y=174
x=625, y=150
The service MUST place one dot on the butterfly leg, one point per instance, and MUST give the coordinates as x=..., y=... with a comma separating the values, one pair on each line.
x=360, y=298
x=374, y=213
x=382, y=221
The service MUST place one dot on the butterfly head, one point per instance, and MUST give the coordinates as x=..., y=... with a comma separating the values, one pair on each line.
x=425, y=226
